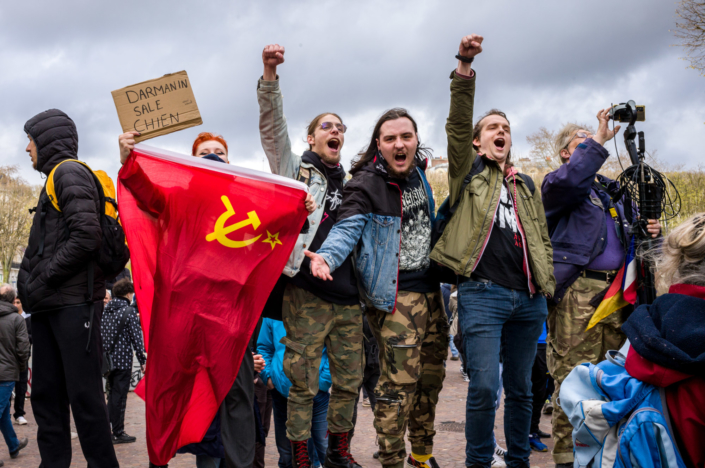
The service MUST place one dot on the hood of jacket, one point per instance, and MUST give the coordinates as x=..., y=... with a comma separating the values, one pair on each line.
x=314, y=159
x=115, y=305
x=671, y=331
x=56, y=138
x=6, y=308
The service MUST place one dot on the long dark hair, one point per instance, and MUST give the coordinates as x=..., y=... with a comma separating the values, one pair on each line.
x=369, y=153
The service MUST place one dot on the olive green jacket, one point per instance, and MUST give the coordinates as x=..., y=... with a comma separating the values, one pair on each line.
x=463, y=241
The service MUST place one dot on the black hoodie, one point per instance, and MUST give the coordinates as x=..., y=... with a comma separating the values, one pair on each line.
x=54, y=270
x=343, y=289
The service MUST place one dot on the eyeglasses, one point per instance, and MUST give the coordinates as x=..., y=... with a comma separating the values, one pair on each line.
x=578, y=135
x=328, y=126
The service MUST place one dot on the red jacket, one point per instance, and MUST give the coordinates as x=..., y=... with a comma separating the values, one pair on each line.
x=685, y=397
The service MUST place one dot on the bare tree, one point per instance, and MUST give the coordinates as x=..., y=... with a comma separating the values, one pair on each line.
x=543, y=146
x=691, y=31
x=16, y=198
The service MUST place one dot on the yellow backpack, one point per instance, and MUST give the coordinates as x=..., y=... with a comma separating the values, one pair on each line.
x=113, y=254
x=105, y=182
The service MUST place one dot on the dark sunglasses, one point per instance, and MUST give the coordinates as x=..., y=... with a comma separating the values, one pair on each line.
x=328, y=126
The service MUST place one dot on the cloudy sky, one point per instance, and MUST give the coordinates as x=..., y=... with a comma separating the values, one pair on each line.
x=544, y=63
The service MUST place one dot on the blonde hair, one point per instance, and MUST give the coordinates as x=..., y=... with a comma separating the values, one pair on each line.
x=682, y=255
x=563, y=139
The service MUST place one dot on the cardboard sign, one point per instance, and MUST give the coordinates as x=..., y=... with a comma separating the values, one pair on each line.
x=157, y=107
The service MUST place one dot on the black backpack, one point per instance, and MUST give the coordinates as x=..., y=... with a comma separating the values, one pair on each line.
x=446, y=212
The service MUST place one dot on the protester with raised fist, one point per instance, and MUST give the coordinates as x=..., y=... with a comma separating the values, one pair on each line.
x=315, y=313
x=386, y=220
x=498, y=242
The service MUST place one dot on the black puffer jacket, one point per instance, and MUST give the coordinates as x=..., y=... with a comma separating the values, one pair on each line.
x=57, y=276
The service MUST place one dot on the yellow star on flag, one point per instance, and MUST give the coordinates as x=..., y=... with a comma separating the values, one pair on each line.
x=273, y=239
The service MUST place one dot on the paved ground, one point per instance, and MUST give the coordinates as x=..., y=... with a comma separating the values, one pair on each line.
x=449, y=446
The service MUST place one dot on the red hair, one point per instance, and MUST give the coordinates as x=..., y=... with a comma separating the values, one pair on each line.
x=207, y=136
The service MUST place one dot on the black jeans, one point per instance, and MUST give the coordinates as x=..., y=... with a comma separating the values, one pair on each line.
x=237, y=417
x=66, y=375
x=539, y=381
x=119, y=381
x=264, y=400
x=20, y=393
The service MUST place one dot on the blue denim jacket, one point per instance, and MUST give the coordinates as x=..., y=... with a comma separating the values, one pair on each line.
x=369, y=226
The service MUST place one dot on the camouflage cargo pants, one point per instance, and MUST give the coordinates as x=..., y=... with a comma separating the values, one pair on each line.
x=413, y=344
x=312, y=323
x=568, y=344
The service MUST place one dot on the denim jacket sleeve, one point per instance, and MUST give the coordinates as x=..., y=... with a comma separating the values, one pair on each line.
x=265, y=347
x=570, y=184
x=342, y=239
x=273, y=130
x=353, y=215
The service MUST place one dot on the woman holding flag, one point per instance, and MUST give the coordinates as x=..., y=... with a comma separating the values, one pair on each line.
x=237, y=419
x=589, y=234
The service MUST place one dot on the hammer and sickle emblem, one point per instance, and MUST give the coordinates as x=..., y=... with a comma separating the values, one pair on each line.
x=220, y=232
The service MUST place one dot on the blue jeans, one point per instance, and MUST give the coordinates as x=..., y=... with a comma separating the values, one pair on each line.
x=317, y=444
x=453, y=349
x=496, y=319
x=8, y=432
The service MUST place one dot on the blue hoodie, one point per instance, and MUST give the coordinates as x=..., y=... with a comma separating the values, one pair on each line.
x=272, y=351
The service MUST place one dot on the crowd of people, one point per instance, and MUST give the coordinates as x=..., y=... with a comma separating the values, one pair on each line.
x=365, y=301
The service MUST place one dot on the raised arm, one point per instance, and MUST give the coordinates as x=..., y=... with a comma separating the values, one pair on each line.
x=273, y=130
x=147, y=195
x=461, y=153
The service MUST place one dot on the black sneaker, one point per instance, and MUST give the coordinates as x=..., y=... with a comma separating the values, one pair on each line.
x=123, y=438
x=152, y=465
x=543, y=435
x=23, y=444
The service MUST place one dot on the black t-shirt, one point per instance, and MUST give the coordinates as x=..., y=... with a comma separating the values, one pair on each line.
x=503, y=259
x=414, y=263
x=343, y=289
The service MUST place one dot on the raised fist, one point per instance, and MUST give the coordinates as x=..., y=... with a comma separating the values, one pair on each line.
x=470, y=45
x=272, y=55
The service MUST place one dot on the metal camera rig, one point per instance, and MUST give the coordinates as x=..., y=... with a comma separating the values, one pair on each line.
x=647, y=190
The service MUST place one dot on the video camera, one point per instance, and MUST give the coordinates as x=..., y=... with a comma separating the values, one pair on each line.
x=625, y=111
x=647, y=189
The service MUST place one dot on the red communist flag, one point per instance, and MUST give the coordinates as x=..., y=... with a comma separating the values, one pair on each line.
x=208, y=242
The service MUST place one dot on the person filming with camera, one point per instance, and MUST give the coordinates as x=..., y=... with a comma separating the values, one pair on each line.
x=590, y=236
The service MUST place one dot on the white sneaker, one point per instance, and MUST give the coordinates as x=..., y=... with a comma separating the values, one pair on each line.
x=498, y=461
x=74, y=435
x=21, y=421
x=498, y=457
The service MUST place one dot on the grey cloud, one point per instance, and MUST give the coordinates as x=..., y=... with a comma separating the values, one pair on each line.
x=544, y=63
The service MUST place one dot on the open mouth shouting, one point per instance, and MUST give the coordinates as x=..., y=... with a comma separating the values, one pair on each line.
x=334, y=145
x=499, y=144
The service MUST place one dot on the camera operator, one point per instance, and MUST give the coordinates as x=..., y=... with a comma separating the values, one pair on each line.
x=589, y=234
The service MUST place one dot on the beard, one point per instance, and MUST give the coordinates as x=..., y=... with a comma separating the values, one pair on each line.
x=402, y=174
x=330, y=160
